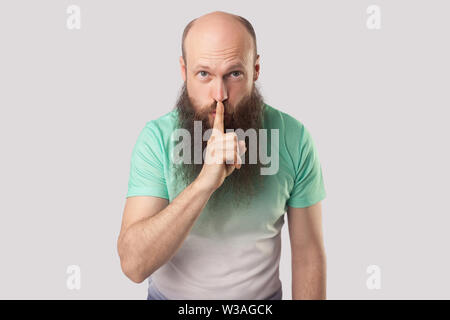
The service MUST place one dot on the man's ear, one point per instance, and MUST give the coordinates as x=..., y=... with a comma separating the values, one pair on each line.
x=256, y=69
x=183, y=69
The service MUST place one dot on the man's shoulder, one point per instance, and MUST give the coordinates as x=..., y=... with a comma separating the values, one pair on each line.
x=164, y=124
x=276, y=119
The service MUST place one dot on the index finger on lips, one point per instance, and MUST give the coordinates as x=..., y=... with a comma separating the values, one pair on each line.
x=218, y=126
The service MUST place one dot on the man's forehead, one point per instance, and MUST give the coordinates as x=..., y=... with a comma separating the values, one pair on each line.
x=204, y=64
x=227, y=50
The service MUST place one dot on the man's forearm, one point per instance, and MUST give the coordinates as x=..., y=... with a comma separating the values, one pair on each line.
x=309, y=279
x=148, y=244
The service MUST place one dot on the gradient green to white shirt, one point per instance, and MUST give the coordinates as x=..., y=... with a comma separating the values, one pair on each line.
x=230, y=252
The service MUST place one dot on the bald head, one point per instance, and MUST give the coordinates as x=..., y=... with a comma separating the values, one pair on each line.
x=219, y=27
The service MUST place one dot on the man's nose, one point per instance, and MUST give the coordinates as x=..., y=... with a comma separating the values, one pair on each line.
x=219, y=90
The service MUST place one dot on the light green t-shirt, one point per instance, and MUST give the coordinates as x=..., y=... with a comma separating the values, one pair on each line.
x=230, y=253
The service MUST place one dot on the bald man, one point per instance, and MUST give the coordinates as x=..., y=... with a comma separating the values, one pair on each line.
x=210, y=228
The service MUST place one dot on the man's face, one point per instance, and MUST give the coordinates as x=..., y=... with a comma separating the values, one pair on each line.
x=206, y=86
x=220, y=66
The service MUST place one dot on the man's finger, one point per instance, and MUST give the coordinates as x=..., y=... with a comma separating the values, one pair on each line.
x=242, y=147
x=238, y=161
x=218, y=120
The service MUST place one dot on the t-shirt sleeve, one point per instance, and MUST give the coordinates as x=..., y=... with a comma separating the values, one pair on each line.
x=308, y=186
x=146, y=168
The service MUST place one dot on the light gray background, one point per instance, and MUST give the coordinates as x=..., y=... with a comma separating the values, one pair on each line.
x=73, y=103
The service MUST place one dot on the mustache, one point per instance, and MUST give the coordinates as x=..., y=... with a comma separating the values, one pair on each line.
x=228, y=111
x=244, y=114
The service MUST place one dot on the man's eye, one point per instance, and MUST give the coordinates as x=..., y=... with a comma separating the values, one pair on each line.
x=203, y=73
x=236, y=73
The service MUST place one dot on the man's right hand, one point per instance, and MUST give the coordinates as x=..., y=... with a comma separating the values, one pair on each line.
x=223, y=154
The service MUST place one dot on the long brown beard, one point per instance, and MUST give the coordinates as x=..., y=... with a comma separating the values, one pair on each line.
x=241, y=184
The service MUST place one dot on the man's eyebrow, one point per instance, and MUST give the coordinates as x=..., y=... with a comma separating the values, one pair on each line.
x=236, y=65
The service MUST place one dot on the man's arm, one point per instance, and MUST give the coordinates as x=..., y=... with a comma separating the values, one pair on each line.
x=152, y=231
x=308, y=252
